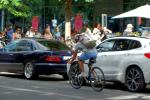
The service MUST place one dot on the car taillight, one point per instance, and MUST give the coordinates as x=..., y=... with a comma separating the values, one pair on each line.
x=147, y=55
x=53, y=58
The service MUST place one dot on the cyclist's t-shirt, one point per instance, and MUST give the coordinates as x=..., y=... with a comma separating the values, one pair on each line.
x=80, y=46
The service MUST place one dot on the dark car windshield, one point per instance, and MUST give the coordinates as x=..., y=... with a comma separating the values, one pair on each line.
x=54, y=45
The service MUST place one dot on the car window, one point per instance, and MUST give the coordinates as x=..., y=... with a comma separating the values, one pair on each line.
x=54, y=45
x=11, y=47
x=19, y=45
x=24, y=45
x=122, y=44
x=135, y=44
x=106, y=46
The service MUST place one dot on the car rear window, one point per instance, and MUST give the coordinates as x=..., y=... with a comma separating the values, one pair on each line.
x=54, y=45
x=135, y=44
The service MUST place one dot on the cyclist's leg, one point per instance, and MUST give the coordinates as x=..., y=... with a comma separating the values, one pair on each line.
x=81, y=65
x=81, y=59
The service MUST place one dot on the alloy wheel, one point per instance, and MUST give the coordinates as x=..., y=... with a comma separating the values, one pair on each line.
x=135, y=79
x=28, y=70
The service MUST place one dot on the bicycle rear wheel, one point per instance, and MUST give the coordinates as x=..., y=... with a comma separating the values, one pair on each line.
x=74, y=79
x=97, y=80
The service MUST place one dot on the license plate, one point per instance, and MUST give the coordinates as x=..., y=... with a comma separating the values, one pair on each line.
x=66, y=57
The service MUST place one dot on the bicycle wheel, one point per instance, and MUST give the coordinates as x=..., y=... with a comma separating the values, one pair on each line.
x=97, y=80
x=74, y=79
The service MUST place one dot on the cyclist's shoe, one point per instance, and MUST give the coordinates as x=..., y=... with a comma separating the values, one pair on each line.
x=82, y=74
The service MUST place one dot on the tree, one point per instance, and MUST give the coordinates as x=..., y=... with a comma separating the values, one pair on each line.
x=15, y=7
x=22, y=9
x=68, y=16
x=68, y=9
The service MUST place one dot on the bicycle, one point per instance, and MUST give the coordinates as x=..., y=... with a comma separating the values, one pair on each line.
x=95, y=76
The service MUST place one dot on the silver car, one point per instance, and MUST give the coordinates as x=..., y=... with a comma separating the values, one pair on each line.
x=125, y=60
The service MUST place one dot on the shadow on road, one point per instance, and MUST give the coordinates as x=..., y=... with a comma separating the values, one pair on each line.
x=123, y=88
x=54, y=77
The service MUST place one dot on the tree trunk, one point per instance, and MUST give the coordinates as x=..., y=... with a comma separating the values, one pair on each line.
x=68, y=17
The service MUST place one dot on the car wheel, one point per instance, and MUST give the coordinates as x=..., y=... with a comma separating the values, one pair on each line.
x=65, y=76
x=134, y=79
x=29, y=71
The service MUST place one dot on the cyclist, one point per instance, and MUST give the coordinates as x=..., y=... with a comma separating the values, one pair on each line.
x=86, y=54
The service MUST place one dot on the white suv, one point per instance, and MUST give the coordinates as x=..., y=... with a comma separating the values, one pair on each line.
x=125, y=60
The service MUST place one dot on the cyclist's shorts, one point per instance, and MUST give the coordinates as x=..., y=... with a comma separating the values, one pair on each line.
x=86, y=56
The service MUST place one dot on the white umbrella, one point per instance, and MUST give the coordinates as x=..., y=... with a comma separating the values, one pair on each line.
x=142, y=11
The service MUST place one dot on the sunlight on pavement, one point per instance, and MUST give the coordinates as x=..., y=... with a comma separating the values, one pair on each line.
x=129, y=97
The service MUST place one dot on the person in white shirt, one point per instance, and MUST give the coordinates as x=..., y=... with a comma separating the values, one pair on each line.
x=30, y=33
x=87, y=30
x=97, y=33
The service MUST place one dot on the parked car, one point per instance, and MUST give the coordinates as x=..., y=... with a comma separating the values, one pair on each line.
x=125, y=60
x=33, y=57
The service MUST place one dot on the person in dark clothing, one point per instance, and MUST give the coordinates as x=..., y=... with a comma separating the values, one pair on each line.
x=9, y=34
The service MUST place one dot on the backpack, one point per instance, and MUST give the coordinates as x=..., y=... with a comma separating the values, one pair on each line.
x=87, y=41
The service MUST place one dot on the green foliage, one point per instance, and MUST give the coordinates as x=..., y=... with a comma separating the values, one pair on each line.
x=15, y=7
x=118, y=33
x=136, y=34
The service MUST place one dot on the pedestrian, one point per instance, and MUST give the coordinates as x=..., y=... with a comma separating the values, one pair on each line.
x=37, y=33
x=78, y=23
x=104, y=32
x=17, y=34
x=54, y=24
x=57, y=34
x=47, y=32
x=87, y=30
x=62, y=38
x=128, y=31
x=30, y=33
x=97, y=35
x=9, y=33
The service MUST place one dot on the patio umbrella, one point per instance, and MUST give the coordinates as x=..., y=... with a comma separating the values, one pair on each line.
x=142, y=11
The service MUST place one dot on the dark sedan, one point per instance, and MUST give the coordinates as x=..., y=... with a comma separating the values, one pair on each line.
x=33, y=57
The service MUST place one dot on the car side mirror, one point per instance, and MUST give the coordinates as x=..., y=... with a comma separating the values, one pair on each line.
x=98, y=49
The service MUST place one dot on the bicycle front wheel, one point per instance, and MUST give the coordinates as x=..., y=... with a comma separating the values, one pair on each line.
x=74, y=79
x=97, y=79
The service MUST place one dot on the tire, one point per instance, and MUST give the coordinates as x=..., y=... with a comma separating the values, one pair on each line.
x=29, y=70
x=97, y=79
x=74, y=79
x=134, y=79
